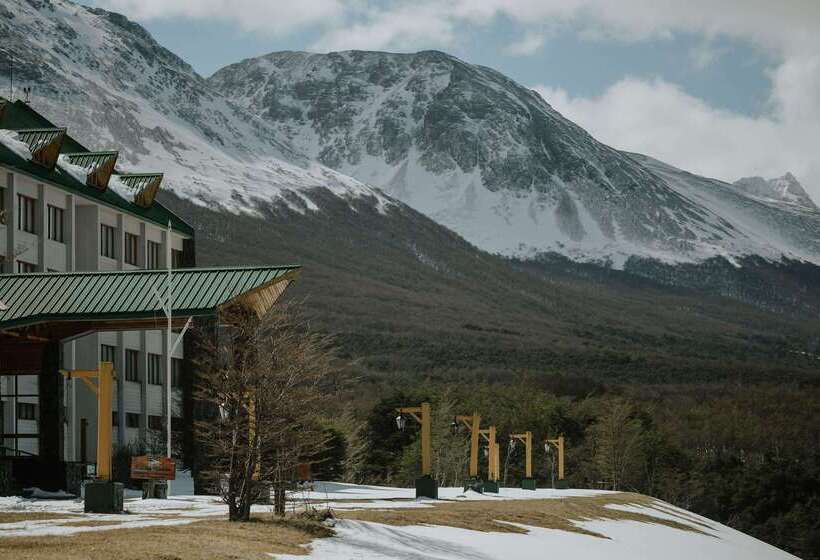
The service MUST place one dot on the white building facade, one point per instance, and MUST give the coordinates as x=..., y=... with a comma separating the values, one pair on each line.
x=51, y=224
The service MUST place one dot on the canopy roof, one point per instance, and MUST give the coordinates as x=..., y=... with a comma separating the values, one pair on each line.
x=56, y=305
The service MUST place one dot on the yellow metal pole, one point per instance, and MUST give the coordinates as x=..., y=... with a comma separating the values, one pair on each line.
x=474, y=439
x=426, y=437
x=560, y=457
x=528, y=445
x=104, y=390
x=491, y=459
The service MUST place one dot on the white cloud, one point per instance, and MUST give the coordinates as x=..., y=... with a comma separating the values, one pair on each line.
x=405, y=27
x=657, y=118
x=528, y=44
x=263, y=16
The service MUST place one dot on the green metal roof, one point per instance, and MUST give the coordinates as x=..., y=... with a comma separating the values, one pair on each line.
x=19, y=116
x=81, y=296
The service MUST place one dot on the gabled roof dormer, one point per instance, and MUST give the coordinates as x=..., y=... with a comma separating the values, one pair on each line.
x=100, y=166
x=143, y=186
x=44, y=144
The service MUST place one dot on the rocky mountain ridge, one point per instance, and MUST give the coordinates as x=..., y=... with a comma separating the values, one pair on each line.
x=493, y=161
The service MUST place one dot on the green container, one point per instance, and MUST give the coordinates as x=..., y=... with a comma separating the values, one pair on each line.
x=562, y=484
x=491, y=486
x=426, y=487
x=103, y=497
x=528, y=484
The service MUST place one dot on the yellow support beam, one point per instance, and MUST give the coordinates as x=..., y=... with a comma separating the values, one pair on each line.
x=526, y=439
x=493, y=462
x=423, y=415
x=559, y=445
x=104, y=392
x=473, y=423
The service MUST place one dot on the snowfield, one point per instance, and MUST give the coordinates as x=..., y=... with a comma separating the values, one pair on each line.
x=365, y=540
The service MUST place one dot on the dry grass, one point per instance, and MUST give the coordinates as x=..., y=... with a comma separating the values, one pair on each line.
x=201, y=540
x=17, y=516
x=496, y=514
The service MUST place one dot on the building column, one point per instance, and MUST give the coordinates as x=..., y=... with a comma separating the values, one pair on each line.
x=143, y=386
x=51, y=403
x=142, y=259
x=120, y=241
x=41, y=225
x=122, y=429
x=10, y=262
x=70, y=234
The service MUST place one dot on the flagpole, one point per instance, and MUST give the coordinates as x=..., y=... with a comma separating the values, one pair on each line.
x=168, y=313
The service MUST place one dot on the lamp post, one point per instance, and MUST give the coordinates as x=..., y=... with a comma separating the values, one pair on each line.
x=426, y=486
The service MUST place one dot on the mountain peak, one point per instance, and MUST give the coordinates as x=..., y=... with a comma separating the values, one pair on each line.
x=786, y=189
x=489, y=158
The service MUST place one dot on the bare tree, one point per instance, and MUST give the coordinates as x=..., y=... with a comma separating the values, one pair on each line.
x=618, y=442
x=265, y=377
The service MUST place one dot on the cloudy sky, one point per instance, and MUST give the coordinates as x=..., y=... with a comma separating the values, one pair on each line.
x=724, y=88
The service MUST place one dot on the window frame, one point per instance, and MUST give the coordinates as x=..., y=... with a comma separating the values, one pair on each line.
x=131, y=250
x=153, y=250
x=176, y=373
x=108, y=241
x=24, y=267
x=26, y=214
x=132, y=420
x=154, y=369
x=132, y=365
x=56, y=217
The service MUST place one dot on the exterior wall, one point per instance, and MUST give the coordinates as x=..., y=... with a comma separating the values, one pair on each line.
x=80, y=250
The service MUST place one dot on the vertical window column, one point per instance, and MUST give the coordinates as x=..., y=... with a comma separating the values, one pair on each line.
x=42, y=217
x=10, y=216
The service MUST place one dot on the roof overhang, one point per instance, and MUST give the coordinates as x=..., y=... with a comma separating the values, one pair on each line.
x=54, y=306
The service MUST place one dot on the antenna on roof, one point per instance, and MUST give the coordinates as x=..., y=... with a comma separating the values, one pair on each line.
x=27, y=94
x=11, y=77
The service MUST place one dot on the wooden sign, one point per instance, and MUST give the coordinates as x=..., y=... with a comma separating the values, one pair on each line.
x=153, y=467
x=303, y=472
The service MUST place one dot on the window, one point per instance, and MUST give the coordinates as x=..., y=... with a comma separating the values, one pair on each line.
x=25, y=268
x=176, y=424
x=19, y=424
x=115, y=418
x=154, y=369
x=55, y=223
x=26, y=213
x=108, y=235
x=155, y=422
x=132, y=368
x=132, y=243
x=176, y=258
x=152, y=253
x=176, y=372
x=132, y=420
x=108, y=353
x=26, y=411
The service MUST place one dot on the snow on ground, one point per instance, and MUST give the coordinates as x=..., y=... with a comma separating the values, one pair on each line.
x=625, y=540
x=364, y=540
x=341, y=496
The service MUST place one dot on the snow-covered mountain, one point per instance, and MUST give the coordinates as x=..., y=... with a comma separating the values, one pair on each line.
x=461, y=143
x=786, y=189
x=114, y=86
x=493, y=161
